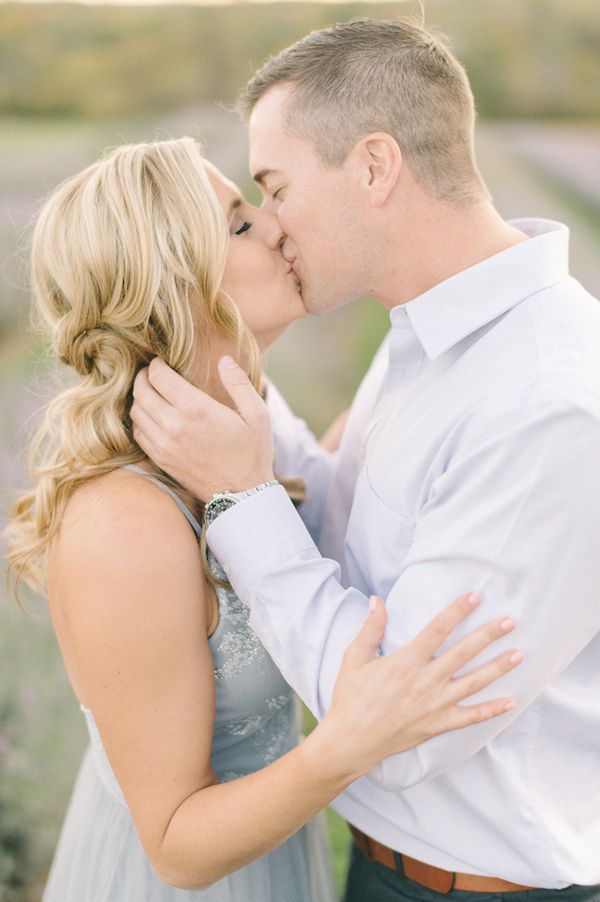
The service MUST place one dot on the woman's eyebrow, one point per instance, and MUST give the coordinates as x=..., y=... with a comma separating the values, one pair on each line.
x=235, y=204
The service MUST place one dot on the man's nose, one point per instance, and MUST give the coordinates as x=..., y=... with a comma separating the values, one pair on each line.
x=286, y=250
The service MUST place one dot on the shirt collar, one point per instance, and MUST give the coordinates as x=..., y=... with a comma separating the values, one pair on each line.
x=458, y=306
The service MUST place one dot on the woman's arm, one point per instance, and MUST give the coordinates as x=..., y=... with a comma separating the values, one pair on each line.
x=130, y=606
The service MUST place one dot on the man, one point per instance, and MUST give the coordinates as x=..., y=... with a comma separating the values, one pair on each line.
x=470, y=461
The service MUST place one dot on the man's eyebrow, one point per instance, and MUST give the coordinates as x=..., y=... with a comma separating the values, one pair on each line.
x=261, y=175
x=235, y=204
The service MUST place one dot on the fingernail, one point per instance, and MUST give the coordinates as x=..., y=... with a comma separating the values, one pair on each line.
x=510, y=706
x=372, y=603
x=228, y=362
x=473, y=599
x=516, y=657
x=507, y=624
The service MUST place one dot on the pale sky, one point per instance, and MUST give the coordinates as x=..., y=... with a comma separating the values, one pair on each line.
x=189, y=2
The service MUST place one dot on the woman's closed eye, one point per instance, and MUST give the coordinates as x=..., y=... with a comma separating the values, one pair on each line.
x=243, y=228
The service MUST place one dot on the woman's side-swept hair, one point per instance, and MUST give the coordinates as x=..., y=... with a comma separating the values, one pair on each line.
x=127, y=264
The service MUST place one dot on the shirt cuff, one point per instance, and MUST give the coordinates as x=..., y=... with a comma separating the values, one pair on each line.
x=256, y=536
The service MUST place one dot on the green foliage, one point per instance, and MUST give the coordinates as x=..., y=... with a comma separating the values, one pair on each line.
x=525, y=57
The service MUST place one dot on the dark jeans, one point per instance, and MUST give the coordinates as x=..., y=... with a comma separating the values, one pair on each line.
x=369, y=881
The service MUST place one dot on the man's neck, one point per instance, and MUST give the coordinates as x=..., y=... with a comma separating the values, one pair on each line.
x=438, y=242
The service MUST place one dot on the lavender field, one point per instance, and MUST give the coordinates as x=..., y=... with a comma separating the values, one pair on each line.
x=533, y=169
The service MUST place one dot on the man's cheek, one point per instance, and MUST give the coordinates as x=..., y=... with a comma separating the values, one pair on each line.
x=294, y=220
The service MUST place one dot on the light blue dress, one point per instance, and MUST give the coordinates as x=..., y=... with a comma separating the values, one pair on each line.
x=99, y=857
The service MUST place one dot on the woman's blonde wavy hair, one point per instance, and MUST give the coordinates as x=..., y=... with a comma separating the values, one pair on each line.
x=127, y=263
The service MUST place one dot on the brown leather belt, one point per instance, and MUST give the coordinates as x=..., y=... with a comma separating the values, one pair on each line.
x=438, y=880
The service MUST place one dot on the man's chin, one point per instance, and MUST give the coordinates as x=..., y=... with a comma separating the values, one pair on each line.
x=314, y=307
x=311, y=304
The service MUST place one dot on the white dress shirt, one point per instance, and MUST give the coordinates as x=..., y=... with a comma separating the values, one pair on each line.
x=471, y=463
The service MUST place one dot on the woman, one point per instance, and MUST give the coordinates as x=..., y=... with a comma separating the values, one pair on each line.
x=193, y=771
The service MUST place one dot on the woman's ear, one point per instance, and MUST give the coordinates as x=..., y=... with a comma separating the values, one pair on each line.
x=379, y=162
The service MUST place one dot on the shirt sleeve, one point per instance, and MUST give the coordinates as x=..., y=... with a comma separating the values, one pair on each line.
x=512, y=513
x=298, y=453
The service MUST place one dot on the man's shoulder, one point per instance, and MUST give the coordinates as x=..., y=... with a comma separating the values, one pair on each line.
x=544, y=401
x=545, y=349
x=562, y=311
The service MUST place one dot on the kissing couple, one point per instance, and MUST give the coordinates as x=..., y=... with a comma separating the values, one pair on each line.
x=205, y=556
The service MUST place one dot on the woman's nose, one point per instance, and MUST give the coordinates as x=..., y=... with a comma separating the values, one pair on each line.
x=269, y=229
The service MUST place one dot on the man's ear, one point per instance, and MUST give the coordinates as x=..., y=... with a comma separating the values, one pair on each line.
x=379, y=162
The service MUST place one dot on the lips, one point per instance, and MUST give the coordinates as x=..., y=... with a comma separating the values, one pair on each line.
x=292, y=272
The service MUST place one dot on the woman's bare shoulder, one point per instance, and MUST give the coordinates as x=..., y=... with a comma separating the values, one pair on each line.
x=104, y=507
x=123, y=526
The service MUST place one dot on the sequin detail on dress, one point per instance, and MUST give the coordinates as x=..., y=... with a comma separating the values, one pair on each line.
x=273, y=744
x=240, y=646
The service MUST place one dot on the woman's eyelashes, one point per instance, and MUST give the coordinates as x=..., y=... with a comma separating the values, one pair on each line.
x=243, y=228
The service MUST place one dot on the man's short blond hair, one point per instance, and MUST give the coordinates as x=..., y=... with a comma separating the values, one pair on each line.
x=368, y=76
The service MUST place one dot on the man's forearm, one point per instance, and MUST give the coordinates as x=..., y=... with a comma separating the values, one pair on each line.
x=305, y=619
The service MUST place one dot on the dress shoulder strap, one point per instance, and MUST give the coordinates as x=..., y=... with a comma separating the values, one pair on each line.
x=183, y=508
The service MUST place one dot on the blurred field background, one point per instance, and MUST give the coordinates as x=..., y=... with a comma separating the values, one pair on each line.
x=75, y=79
